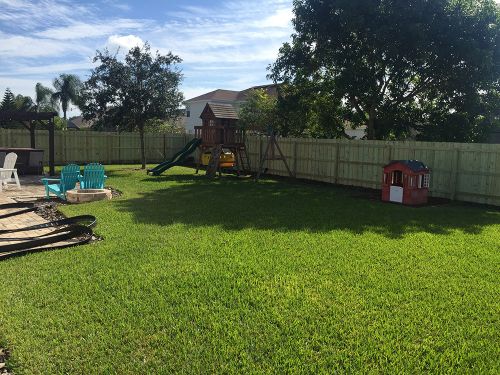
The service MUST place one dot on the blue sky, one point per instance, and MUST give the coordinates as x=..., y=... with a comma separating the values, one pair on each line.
x=224, y=44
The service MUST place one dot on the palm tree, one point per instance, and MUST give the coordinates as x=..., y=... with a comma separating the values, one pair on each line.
x=44, y=99
x=67, y=90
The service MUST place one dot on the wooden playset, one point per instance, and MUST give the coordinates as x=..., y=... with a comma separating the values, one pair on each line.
x=220, y=135
x=221, y=144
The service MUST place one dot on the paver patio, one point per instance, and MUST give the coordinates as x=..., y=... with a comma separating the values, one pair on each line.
x=31, y=189
x=19, y=221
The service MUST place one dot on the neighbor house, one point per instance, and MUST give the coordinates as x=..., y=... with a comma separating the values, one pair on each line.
x=78, y=123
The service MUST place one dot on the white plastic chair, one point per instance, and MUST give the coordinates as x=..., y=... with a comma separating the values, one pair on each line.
x=8, y=171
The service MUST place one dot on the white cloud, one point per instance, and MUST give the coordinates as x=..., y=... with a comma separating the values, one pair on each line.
x=58, y=68
x=30, y=15
x=81, y=30
x=125, y=41
x=281, y=18
x=22, y=46
x=118, y=5
x=233, y=32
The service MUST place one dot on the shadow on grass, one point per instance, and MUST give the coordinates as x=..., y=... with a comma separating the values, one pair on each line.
x=239, y=203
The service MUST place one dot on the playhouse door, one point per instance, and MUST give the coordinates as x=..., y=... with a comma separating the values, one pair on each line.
x=396, y=194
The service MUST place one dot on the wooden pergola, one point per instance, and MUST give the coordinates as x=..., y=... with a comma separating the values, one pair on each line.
x=28, y=119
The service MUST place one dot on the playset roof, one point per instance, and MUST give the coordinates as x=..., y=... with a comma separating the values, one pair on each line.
x=222, y=111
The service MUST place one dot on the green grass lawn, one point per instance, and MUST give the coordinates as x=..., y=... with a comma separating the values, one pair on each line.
x=231, y=276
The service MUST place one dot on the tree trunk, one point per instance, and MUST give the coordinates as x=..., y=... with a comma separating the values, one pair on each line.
x=143, y=150
x=370, y=133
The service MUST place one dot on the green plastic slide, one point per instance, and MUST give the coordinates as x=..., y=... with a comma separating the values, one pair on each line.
x=177, y=158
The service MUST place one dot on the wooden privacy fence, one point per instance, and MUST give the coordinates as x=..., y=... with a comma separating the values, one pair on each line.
x=90, y=146
x=466, y=172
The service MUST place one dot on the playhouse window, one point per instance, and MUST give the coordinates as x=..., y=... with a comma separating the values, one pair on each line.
x=426, y=181
x=397, y=178
x=423, y=180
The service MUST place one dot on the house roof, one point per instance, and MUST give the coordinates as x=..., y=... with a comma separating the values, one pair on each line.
x=414, y=165
x=218, y=94
x=79, y=123
x=231, y=96
x=225, y=111
x=271, y=90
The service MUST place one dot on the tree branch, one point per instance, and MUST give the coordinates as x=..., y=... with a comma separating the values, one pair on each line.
x=414, y=92
x=355, y=103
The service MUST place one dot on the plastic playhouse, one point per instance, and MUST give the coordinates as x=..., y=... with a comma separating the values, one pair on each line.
x=406, y=182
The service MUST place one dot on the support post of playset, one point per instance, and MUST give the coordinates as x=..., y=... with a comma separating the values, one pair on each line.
x=271, y=144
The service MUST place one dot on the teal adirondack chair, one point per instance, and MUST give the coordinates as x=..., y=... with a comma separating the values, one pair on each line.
x=93, y=176
x=59, y=186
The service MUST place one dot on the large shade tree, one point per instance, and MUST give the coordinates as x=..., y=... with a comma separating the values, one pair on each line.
x=398, y=65
x=67, y=90
x=128, y=94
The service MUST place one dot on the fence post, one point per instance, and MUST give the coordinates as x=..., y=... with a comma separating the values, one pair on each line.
x=146, y=137
x=337, y=162
x=120, y=148
x=86, y=156
x=260, y=150
x=295, y=147
x=64, y=154
x=164, y=146
x=109, y=147
x=389, y=153
x=454, y=173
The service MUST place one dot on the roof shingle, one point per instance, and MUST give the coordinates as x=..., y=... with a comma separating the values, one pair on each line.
x=231, y=96
x=219, y=94
x=223, y=110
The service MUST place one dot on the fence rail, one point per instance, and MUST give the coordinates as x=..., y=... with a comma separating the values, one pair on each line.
x=466, y=172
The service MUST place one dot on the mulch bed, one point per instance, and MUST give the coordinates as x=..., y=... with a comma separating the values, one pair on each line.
x=49, y=211
x=4, y=355
x=115, y=193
